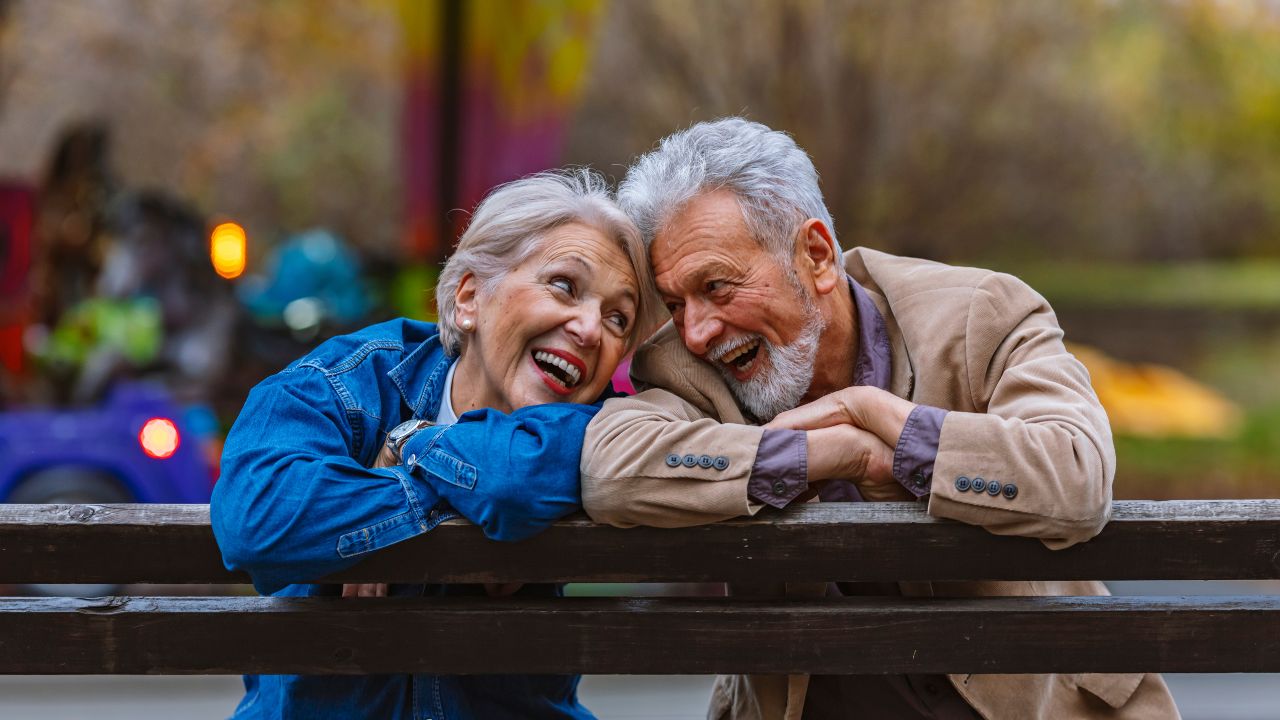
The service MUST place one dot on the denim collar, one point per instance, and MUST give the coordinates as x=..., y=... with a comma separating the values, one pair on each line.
x=874, y=362
x=420, y=377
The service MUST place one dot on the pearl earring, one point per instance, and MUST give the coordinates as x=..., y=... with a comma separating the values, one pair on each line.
x=468, y=325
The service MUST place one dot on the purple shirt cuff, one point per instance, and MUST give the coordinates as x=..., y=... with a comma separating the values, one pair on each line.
x=918, y=449
x=781, y=470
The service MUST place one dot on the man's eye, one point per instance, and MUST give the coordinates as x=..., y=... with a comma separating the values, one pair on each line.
x=716, y=286
x=674, y=307
x=563, y=284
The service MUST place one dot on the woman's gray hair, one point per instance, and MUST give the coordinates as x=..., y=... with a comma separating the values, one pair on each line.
x=774, y=180
x=508, y=224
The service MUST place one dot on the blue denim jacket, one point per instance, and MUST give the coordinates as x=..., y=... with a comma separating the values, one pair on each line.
x=297, y=500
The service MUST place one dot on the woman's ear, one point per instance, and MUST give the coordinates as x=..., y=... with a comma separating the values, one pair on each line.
x=466, y=305
x=818, y=255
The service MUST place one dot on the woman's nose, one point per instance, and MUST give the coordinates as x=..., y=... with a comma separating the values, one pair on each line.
x=585, y=324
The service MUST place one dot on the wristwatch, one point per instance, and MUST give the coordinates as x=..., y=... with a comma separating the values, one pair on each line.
x=401, y=433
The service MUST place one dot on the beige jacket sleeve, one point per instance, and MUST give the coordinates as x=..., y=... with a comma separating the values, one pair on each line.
x=1038, y=425
x=669, y=457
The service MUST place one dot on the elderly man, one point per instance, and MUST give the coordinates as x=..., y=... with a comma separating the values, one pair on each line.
x=875, y=378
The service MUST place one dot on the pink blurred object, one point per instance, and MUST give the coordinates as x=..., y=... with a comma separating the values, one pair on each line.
x=622, y=377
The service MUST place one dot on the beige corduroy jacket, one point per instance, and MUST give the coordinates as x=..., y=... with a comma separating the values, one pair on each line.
x=980, y=344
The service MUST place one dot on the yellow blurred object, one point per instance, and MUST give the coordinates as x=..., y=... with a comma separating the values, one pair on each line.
x=227, y=250
x=1157, y=401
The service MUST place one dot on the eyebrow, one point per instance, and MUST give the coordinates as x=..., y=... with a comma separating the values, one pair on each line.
x=629, y=293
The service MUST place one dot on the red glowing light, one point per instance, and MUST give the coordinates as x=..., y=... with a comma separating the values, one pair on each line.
x=159, y=438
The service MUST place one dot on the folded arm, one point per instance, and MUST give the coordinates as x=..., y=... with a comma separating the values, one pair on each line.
x=295, y=503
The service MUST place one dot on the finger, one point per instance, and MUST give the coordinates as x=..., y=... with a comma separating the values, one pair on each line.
x=368, y=589
x=386, y=458
x=350, y=590
x=501, y=589
x=380, y=590
x=818, y=414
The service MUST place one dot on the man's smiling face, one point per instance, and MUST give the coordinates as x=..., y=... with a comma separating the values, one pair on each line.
x=735, y=305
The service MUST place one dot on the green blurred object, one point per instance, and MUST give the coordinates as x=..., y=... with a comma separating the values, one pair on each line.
x=131, y=327
x=1244, y=285
x=413, y=292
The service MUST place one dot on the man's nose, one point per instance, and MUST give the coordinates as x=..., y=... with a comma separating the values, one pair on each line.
x=700, y=328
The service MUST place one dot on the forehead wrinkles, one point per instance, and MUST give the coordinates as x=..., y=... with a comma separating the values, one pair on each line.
x=604, y=267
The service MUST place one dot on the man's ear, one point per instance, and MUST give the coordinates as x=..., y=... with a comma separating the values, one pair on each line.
x=818, y=256
x=466, y=301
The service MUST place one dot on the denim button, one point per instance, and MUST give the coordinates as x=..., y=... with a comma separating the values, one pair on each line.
x=705, y=462
x=673, y=460
x=978, y=485
x=993, y=487
x=918, y=479
x=690, y=460
x=779, y=487
x=413, y=459
x=1010, y=491
x=962, y=484
x=721, y=462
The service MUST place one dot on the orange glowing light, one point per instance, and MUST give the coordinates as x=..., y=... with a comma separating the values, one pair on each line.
x=227, y=250
x=159, y=438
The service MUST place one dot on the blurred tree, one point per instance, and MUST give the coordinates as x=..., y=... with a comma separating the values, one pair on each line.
x=279, y=113
x=974, y=128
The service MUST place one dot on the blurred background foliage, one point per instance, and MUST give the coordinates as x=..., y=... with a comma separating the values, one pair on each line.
x=1122, y=156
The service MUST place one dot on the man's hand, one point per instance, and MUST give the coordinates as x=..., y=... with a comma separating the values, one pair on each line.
x=850, y=453
x=877, y=411
x=851, y=435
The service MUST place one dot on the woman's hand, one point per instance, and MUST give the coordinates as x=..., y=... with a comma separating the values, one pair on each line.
x=364, y=590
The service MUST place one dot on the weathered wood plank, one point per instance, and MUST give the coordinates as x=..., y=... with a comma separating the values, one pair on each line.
x=838, y=541
x=612, y=635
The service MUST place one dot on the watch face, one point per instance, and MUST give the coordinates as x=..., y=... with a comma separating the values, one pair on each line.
x=402, y=431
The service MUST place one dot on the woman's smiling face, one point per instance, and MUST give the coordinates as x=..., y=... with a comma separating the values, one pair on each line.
x=553, y=329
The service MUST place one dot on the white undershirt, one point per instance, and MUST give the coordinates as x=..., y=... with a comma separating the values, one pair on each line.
x=447, y=416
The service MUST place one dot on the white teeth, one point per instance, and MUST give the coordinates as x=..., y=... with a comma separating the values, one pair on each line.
x=734, y=353
x=561, y=363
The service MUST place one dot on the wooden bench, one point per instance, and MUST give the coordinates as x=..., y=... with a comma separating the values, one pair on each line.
x=1201, y=540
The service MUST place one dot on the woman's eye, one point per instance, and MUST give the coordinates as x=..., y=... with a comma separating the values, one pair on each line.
x=563, y=284
x=622, y=322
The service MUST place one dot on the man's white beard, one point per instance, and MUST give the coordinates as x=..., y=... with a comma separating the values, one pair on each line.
x=780, y=385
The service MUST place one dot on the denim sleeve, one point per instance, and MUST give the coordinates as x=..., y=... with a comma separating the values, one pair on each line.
x=511, y=474
x=292, y=503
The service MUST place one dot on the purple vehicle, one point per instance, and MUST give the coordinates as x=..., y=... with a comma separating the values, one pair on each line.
x=135, y=446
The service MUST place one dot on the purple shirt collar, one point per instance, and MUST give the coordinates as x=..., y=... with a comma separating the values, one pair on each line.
x=874, y=362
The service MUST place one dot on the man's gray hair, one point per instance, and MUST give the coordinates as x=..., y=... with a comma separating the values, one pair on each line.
x=508, y=224
x=774, y=180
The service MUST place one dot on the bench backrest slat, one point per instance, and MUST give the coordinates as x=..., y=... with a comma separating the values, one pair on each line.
x=627, y=635
x=1206, y=540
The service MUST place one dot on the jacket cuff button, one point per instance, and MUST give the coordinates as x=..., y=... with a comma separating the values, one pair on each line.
x=673, y=460
x=1010, y=491
x=962, y=484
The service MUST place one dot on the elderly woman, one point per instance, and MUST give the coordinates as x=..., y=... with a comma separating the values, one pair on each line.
x=481, y=416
